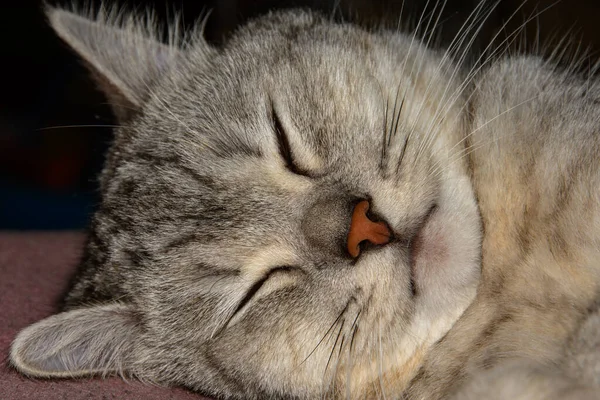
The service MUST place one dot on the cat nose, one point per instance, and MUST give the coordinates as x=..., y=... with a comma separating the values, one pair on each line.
x=363, y=229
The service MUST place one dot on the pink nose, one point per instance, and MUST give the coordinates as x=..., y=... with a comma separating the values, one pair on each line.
x=362, y=228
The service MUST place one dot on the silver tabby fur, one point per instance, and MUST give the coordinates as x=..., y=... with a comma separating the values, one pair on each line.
x=214, y=264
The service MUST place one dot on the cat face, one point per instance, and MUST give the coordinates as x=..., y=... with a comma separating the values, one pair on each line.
x=229, y=248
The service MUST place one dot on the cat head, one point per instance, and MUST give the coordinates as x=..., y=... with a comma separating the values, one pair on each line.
x=289, y=215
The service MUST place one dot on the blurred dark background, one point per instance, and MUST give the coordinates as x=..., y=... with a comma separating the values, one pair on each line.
x=54, y=124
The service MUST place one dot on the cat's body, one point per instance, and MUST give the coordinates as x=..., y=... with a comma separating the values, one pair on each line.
x=220, y=258
x=537, y=184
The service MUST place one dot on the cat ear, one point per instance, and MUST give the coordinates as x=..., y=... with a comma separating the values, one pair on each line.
x=122, y=52
x=86, y=341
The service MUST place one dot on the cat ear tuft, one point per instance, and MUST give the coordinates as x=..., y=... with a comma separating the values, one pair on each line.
x=123, y=52
x=86, y=341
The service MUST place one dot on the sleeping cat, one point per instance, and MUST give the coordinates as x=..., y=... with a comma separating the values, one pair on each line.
x=315, y=210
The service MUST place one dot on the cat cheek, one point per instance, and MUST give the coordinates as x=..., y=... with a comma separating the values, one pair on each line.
x=430, y=248
x=429, y=255
x=443, y=257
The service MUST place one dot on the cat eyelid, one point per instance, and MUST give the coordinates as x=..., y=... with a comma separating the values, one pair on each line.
x=259, y=283
x=255, y=288
x=283, y=145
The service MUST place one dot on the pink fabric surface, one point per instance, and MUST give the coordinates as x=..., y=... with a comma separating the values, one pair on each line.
x=35, y=269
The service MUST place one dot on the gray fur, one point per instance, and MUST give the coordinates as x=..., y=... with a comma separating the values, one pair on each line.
x=224, y=267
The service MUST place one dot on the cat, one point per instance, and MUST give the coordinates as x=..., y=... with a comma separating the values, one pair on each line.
x=318, y=210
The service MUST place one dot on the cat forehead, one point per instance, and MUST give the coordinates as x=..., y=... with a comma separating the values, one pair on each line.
x=302, y=73
x=297, y=51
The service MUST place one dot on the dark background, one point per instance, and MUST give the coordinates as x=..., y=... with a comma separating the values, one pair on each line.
x=52, y=139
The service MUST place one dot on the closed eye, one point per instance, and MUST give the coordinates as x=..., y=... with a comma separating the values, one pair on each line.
x=283, y=144
x=253, y=290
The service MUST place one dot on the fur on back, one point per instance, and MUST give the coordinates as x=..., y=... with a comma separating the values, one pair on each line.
x=218, y=257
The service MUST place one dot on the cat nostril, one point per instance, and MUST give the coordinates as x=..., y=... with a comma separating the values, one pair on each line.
x=363, y=229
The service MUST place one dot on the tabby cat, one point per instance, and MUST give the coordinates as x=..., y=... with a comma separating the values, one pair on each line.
x=317, y=210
